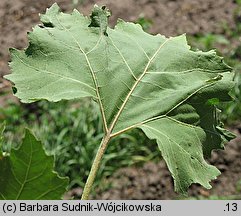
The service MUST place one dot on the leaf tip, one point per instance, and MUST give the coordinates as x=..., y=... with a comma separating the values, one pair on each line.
x=184, y=38
x=13, y=51
x=51, y=12
x=53, y=9
x=99, y=18
x=181, y=40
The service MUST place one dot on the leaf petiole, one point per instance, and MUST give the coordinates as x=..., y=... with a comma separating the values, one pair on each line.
x=95, y=166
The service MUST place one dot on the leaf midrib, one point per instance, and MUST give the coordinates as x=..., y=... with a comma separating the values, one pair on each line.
x=135, y=85
x=92, y=73
x=110, y=129
x=164, y=115
x=115, y=120
x=27, y=171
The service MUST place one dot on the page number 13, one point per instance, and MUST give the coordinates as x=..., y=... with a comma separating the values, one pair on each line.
x=231, y=207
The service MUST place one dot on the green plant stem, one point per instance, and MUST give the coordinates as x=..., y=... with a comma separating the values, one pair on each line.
x=95, y=167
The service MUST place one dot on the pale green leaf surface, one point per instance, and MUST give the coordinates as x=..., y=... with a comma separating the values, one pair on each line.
x=183, y=136
x=181, y=147
x=139, y=80
x=27, y=174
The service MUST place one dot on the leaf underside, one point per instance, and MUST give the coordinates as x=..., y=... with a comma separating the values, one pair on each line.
x=27, y=174
x=139, y=80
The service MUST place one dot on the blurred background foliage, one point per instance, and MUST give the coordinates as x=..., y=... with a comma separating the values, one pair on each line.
x=72, y=132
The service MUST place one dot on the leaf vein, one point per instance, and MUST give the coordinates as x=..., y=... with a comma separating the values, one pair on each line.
x=92, y=73
x=124, y=60
x=52, y=73
x=27, y=171
x=135, y=85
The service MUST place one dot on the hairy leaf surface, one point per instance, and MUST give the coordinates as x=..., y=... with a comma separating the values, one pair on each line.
x=139, y=80
x=27, y=174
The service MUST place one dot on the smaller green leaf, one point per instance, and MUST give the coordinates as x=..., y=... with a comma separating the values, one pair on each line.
x=27, y=174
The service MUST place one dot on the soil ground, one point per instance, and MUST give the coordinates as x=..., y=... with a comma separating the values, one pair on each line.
x=170, y=17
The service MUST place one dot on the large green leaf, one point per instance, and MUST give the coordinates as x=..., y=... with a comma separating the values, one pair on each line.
x=27, y=174
x=139, y=81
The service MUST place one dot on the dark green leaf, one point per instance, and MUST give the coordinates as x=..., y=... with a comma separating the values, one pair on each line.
x=27, y=174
